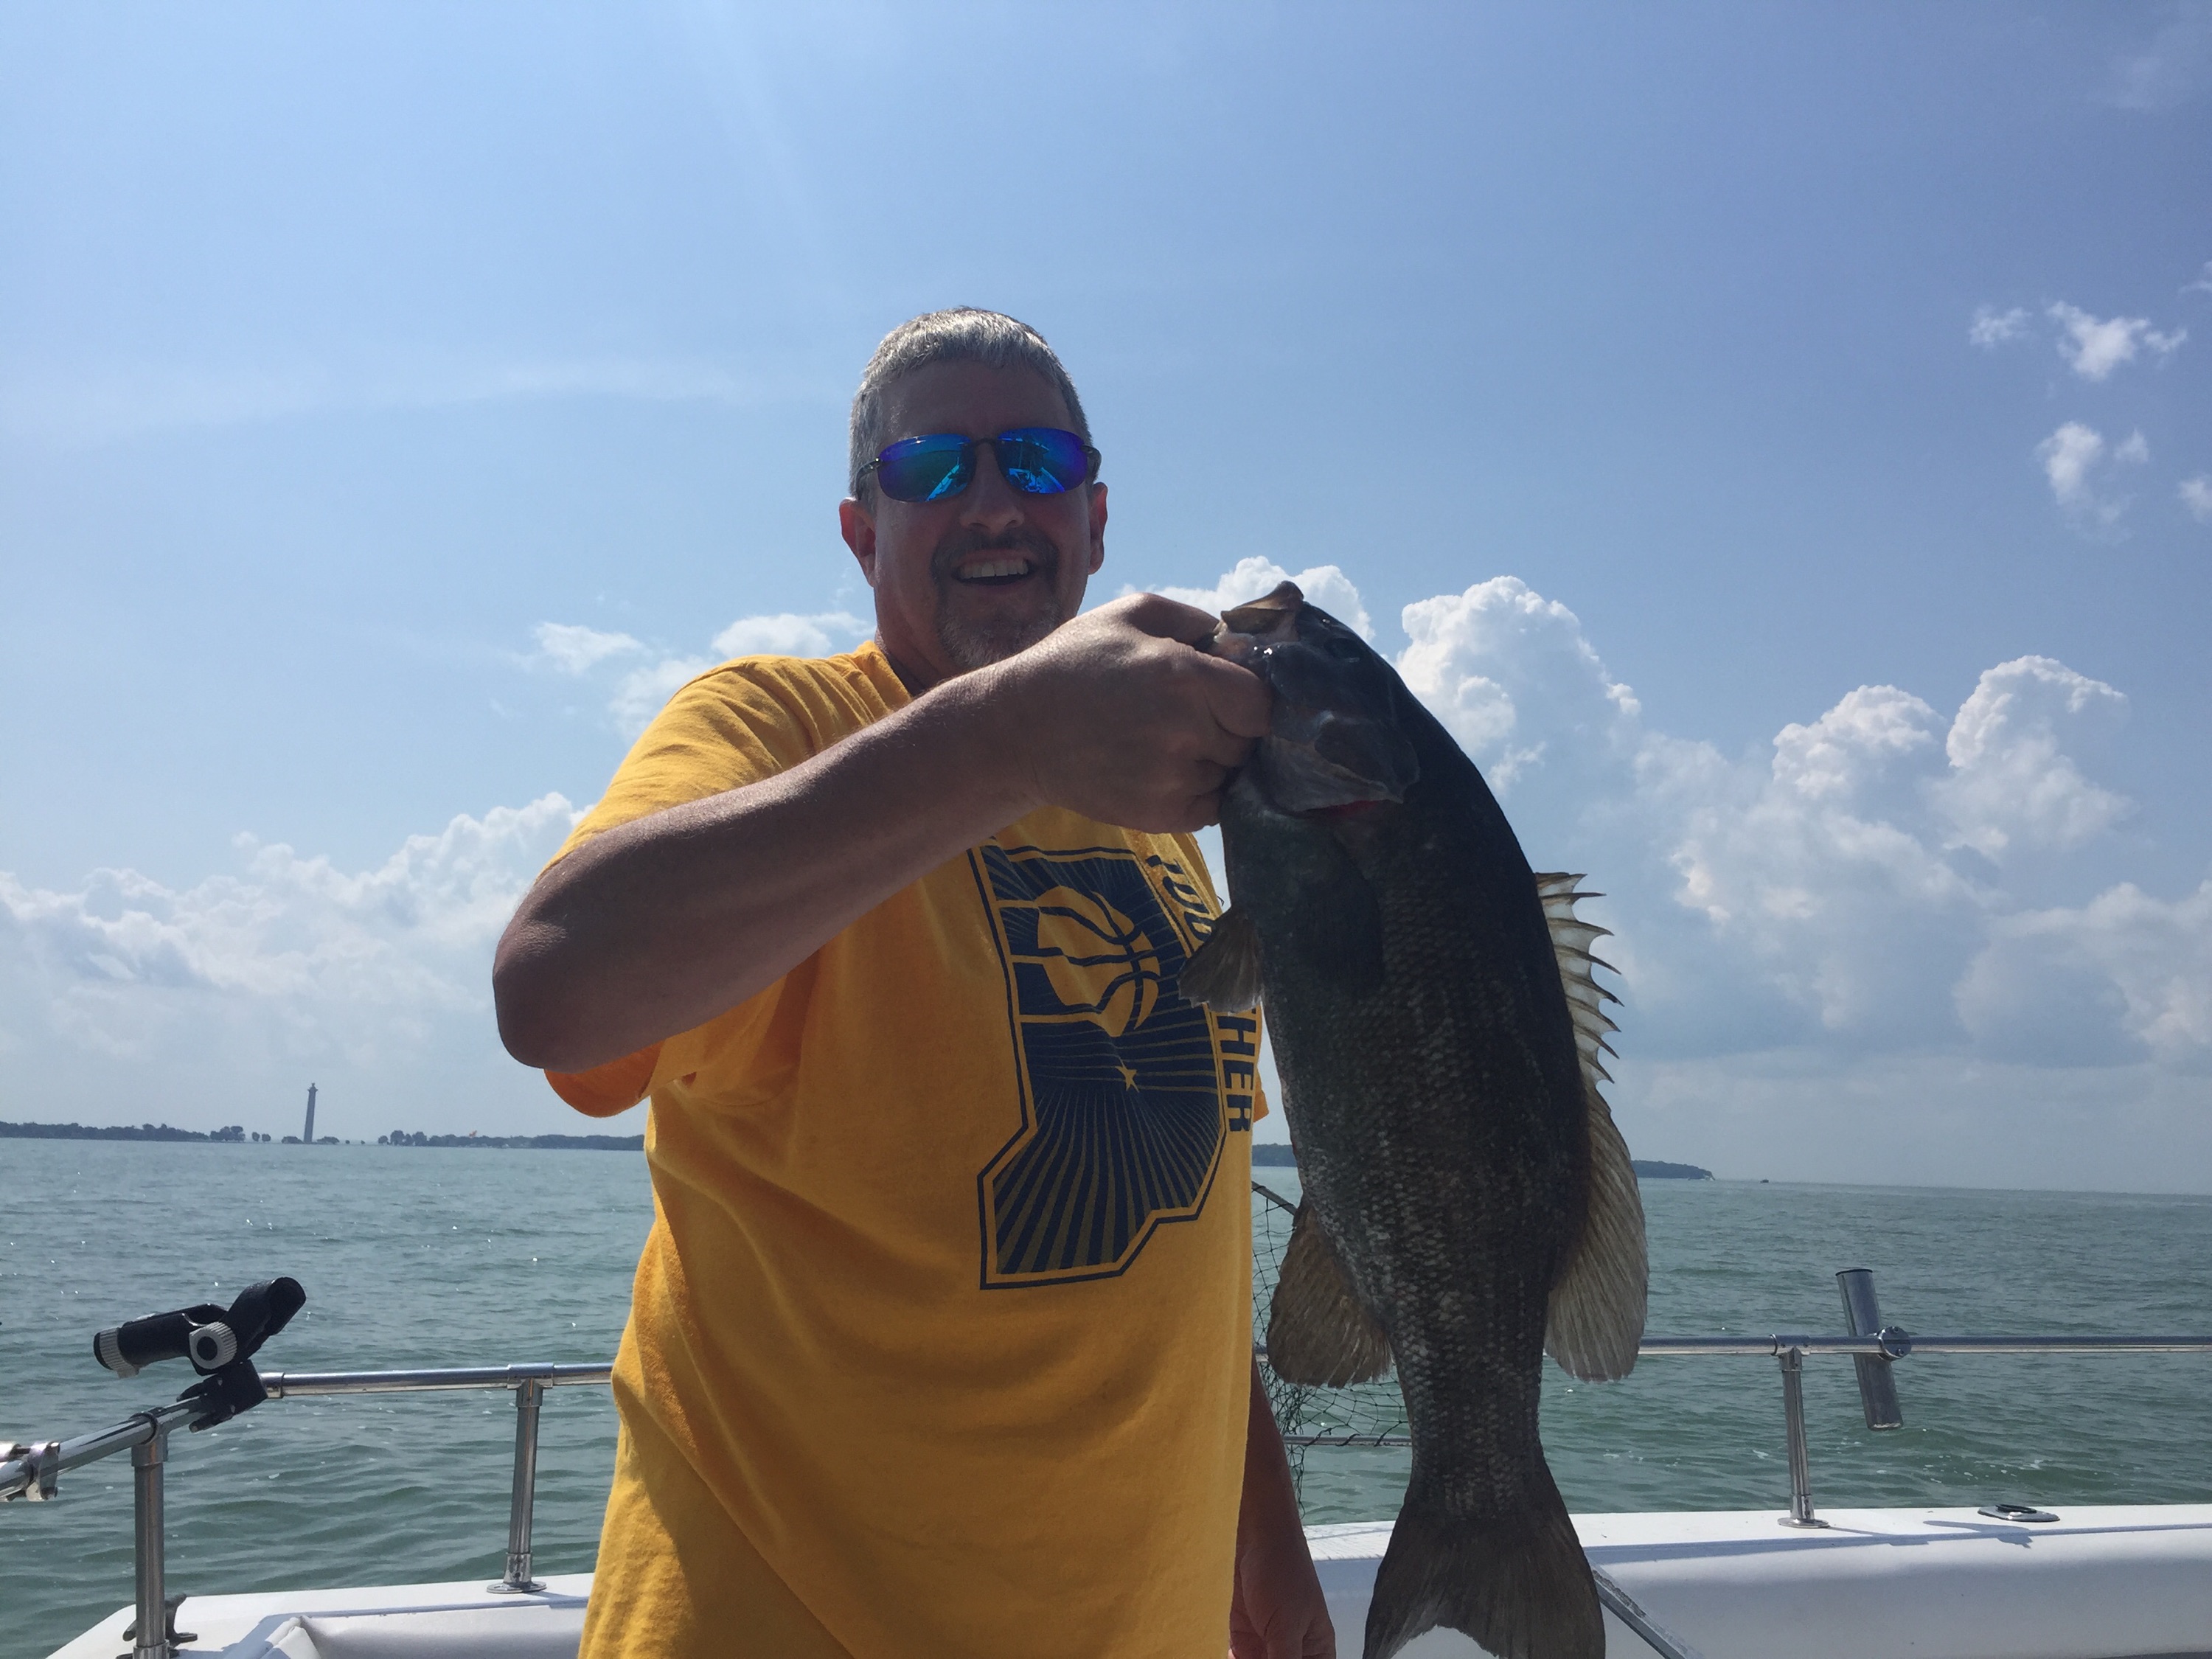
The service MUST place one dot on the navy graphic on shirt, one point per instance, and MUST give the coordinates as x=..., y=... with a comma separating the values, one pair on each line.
x=1125, y=1100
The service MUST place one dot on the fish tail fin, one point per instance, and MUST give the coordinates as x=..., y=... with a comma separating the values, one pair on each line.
x=1521, y=1587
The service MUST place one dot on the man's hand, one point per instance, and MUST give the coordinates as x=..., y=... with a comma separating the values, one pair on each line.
x=1122, y=715
x=1277, y=1611
x=660, y=924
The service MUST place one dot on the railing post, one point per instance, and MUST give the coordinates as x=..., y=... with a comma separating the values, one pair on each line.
x=528, y=1396
x=1800, y=1467
x=150, y=1635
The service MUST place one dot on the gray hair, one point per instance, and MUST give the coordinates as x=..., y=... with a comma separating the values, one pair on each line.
x=963, y=334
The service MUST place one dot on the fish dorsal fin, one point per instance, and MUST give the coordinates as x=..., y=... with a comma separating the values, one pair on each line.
x=1571, y=938
x=1598, y=1300
x=1223, y=972
x=1320, y=1335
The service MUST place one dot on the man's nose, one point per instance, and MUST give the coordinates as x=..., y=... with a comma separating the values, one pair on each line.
x=989, y=503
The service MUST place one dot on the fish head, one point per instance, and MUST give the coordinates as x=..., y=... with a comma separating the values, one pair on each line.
x=1335, y=743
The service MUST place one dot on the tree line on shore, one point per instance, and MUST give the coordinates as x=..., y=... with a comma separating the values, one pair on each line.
x=239, y=1134
x=234, y=1132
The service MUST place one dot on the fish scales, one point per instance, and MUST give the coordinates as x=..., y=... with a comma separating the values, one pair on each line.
x=1442, y=1114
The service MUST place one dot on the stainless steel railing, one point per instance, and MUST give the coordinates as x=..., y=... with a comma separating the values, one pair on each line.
x=1878, y=1398
x=33, y=1471
x=529, y=1383
x=1878, y=1394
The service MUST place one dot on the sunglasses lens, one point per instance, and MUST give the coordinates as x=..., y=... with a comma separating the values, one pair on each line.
x=925, y=469
x=1042, y=460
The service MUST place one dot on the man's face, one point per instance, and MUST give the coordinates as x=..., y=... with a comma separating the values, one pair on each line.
x=972, y=579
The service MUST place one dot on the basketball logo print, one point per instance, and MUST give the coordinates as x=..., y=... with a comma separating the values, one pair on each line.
x=1122, y=1112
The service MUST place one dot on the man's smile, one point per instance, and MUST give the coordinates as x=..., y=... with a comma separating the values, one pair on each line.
x=996, y=573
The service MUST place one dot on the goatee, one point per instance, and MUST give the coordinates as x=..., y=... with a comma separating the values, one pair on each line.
x=977, y=643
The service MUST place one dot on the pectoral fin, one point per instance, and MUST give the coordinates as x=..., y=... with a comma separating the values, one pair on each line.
x=1319, y=1333
x=1597, y=1303
x=1223, y=973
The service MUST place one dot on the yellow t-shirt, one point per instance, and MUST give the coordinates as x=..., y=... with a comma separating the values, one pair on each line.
x=941, y=1342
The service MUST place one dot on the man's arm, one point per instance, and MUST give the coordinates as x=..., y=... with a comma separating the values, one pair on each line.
x=1277, y=1611
x=661, y=924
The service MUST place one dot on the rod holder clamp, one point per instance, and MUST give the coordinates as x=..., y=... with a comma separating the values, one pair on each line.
x=170, y=1633
x=42, y=1464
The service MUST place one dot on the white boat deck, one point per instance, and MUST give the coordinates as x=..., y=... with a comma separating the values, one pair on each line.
x=2101, y=1582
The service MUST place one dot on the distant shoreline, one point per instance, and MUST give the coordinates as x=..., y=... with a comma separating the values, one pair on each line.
x=1265, y=1155
x=524, y=1143
x=1274, y=1155
x=236, y=1136
x=233, y=1135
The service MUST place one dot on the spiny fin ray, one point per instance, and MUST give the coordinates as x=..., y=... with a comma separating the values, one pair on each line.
x=1597, y=1304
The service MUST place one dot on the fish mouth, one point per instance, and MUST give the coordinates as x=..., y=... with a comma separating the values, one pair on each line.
x=1334, y=750
x=1335, y=768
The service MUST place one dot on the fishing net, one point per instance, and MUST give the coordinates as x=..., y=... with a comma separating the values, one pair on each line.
x=1365, y=1414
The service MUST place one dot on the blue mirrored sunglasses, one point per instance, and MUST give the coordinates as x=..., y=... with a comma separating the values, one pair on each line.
x=1037, y=461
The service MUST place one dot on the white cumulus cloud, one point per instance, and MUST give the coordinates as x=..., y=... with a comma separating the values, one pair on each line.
x=2196, y=495
x=1888, y=945
x=573, y=649
x=1871, y=896
x=2015, y=780
x=122, y=992
x=2095, y=346
x=1992, y=328
x=2123, y=971
x=642, y=691
x=786, y=635
x=1476, y=657
x=2067, y=456
x=2077, y=461
x=1814, y=873
x=1324, y=584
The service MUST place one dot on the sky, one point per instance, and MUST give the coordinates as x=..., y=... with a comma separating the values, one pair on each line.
x=1776, y=439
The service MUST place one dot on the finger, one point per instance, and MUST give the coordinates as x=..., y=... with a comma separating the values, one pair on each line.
x=1201, y=811
x=1207, y=775
x=1238, y=698
x=1170, y=619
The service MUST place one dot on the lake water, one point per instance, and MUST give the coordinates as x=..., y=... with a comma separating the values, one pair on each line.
x=415, y=1257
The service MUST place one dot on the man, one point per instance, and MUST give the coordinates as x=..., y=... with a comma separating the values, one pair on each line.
x=939, y=1343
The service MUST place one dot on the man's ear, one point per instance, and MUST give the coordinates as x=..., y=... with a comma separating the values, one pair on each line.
x=858, y=527
x=1097, y=526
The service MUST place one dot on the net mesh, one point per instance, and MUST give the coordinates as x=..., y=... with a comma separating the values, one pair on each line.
x=1365, y=1414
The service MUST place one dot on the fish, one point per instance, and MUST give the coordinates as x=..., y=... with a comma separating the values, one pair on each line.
x=1469, y=1202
